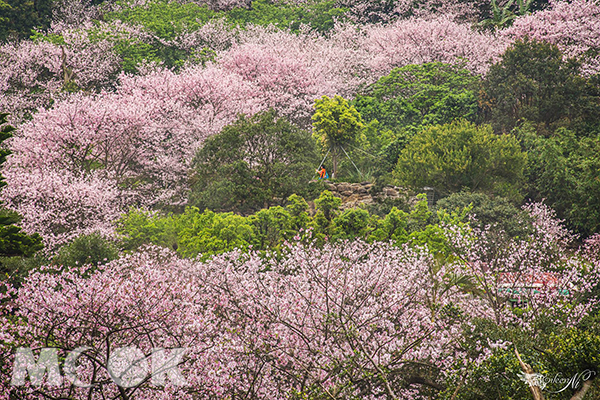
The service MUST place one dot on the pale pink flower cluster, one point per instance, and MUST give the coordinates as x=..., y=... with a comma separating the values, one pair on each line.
x=143, y=136
x=60, y=205
x=253, y=326
x=350, y=320
x=537, y=273
x=34, y=74
x=417, y=41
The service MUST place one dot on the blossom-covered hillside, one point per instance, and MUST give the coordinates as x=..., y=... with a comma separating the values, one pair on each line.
x=168, y=186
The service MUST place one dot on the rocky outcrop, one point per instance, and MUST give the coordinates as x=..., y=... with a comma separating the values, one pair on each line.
x=355, y=194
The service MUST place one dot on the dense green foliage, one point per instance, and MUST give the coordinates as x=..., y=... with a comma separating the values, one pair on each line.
x=408, y=100
x=19, y=17
x=415, y=96
x=461, y=155
x=564, y=170
x=554, y=112
x=206, y=233
x=533, y=82
x=502, y=14
x=164, y=19
x=318, y=15
x=91, y=250
x=252, y=163
x=497, y=212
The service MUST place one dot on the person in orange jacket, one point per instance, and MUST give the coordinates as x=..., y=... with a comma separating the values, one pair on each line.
x=322, y=173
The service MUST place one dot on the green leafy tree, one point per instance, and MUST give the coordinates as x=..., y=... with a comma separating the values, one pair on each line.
x=298, y=209
x=253, y=163
x=328, y=207
x=533, y=82
x=461, y=155
x=192, y=233
x=394, y=227
x=406, y=101
x=140, y=227
x=207, y=233
x=564, y=170
x=336, y=124
x=272, y=227
x=319, y=15
x=496, y=211
x=415, y=96
x=19, y=17
x=354, y=223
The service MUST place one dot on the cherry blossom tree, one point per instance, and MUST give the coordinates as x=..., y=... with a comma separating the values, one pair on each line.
x=291, y=71
x=353, y=320
x=24, y=78
x=134, y=145
x=535, y=288
x=573, y=26
x=417, y=41
x=61, y=206
x=347, y=320
x=147, y=301
x=34, y=74
x=374, y=312
x=537, y=272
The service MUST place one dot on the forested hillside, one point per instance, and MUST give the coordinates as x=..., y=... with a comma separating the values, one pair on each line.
x=167, y=183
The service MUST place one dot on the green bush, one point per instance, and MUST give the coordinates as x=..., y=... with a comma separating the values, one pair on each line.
x=497, y=212
x=139, y=227
x=354, y=223
x=461, y=155
x=209, y=233
x=92, y=250
x=206, y=233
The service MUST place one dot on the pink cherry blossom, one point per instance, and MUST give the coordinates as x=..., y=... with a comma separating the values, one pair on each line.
x=574, y=26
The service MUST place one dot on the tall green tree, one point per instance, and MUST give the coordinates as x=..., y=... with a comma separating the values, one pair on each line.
x=336, y=124
x=534, y=82
x=409, y=99
x=253, y=163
